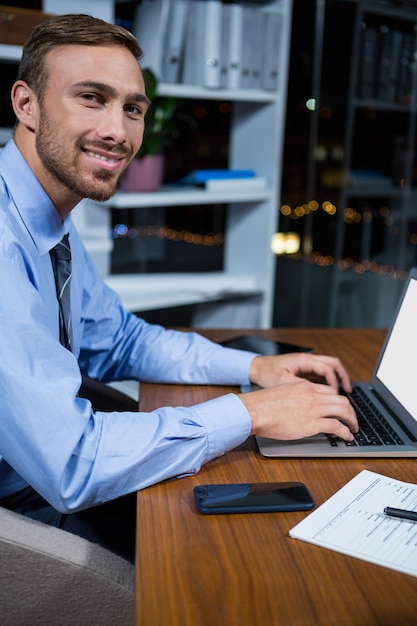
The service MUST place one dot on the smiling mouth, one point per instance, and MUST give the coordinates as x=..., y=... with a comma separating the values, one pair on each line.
x=105, y=159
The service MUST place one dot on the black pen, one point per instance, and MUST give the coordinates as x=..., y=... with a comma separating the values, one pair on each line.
x=401, y=513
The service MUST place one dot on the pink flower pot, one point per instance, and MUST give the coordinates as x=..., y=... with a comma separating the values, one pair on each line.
x=143, y=174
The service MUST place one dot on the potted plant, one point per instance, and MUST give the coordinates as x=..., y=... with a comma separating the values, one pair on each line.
x=145, y=172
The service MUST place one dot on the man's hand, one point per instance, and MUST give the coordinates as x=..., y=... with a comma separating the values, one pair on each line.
x=299, y=409
x=267, y=371
x=290, y=407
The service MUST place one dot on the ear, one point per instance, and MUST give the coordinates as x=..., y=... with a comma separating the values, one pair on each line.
x=25, y=104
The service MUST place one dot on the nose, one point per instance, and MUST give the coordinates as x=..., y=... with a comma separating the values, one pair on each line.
x=112, y=125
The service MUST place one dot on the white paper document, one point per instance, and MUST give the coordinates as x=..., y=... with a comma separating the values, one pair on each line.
x=353, y=522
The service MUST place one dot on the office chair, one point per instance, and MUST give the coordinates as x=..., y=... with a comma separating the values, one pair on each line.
x=105, y=398
x=49, y=577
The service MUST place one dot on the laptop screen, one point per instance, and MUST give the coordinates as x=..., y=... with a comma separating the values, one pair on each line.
x=397, y=367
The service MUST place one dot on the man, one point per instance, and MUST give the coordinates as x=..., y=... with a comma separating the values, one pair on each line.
x=80, y=105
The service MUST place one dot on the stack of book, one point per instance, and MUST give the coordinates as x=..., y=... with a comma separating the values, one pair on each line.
x=210, y=43
x=225, y=180
x=387, y=65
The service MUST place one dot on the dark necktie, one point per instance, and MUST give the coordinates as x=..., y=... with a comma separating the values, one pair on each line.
x=61, y=263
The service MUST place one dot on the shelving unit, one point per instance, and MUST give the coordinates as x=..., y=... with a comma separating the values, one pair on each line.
x=10, y=53
x=255, y=143
x=394, y=191
x=252, y=217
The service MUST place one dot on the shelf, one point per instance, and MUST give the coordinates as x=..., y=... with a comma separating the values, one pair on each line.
x=10, y=53
x=175, y=196
x=143, y=292
x=374, y=191
x=403, y=12
x=379, y=105
x=203, y=93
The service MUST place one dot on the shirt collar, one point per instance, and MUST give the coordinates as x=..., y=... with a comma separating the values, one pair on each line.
x=33, y=204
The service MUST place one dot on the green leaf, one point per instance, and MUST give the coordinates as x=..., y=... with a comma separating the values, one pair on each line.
x=161, y=120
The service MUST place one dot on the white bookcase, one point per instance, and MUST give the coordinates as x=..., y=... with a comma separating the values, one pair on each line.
x=252, y=217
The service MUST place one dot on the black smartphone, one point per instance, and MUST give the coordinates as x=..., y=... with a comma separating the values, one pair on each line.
x=261, y=345
x=253, y=498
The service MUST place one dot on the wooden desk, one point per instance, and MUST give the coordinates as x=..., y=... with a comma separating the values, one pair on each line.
x=245, y=570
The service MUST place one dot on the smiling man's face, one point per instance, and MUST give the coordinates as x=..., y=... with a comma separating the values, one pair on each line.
x=90, y=121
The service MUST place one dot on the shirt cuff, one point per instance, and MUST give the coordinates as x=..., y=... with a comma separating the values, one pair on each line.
x=230, y=366
x=227, y=423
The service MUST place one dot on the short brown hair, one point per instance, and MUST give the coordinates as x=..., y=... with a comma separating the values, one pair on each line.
x=63, y=30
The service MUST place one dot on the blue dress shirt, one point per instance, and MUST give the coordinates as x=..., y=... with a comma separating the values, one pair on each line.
x=50, y=438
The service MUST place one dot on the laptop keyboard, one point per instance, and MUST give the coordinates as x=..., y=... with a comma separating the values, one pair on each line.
x=374, y=429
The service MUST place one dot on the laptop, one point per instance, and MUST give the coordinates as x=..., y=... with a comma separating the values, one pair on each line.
x=391, y=394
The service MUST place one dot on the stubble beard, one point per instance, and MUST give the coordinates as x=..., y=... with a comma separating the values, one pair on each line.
x=97, y=185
